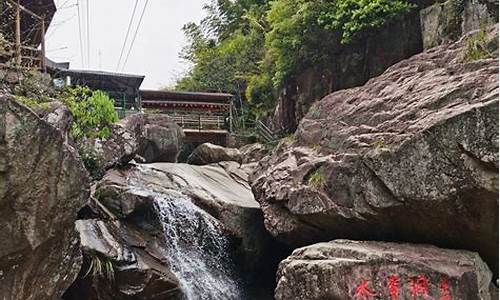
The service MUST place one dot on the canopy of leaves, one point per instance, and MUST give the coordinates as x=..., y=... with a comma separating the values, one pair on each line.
x=251, y=47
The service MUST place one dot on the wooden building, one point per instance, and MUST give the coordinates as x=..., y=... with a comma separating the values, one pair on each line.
x=204, y=117
x=123, y=88
x=23, y=25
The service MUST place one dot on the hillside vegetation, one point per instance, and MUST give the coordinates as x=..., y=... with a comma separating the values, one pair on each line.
x=250, y=47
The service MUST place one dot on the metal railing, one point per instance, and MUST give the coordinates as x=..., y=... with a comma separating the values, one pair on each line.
x=201, y=122
x=264, y=132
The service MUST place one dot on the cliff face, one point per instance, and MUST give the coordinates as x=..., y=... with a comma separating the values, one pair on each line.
x=410, y=156
x=351, y=65
x=43, y=184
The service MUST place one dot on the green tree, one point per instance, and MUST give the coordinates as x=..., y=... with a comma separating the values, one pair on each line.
x=251, y=47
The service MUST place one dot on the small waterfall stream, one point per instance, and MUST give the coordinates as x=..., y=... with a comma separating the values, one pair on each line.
x=197, y=250
x=195, y=245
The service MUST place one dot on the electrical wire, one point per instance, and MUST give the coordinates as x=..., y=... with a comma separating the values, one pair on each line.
x=88, y=33
x=80, y=31
x=126, y=36
x=135, y=34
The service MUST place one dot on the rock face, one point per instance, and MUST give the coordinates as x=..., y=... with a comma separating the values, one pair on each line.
x=221, y=190
x=43, y=184
x=410, y=156
x=116, y=150
x=148, y=138
x=354, y=64
x=448, y=21
x=159, y=138
x=351, y=65
x=373, y=270
x=56, y=114
x=153, y=207
x=207, y=153
x=121, y=262
x=253, y=153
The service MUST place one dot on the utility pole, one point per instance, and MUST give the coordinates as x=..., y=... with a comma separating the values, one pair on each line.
x=18, y=33
x=42, y=58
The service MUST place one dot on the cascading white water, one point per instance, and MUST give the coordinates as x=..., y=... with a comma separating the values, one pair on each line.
x=197, y=249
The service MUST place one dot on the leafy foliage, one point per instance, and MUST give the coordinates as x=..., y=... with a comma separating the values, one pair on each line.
x=251, y=47
x=91, y=162
x=304, y=31
x=476, y=46
x=93, y=112
x=316, y=179
x=3, y=43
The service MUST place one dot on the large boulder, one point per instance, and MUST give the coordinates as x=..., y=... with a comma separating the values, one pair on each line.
x=159, y=138
x=120, y=147
x=185, y=216
x=208, y=153
x=410, y=156
x=56, y=114
x=253, y=153
x=345, y=269
x=43, y=184
x=121, y=262
x=221, y=190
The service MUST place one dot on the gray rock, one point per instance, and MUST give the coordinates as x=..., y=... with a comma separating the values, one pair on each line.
x=447, y=22
x=222, y=190
x=56, y=114
x=253, y=153
x=208, y=153
x=376, y=50
x=115, y=150
x=43, y=184
x=130, y=268
x=158, y=137
x=374, y=270
x=410, y=156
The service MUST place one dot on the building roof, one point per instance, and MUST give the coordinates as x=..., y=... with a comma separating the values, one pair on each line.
x=154, y=95
x=43, y=8
x=102, y=80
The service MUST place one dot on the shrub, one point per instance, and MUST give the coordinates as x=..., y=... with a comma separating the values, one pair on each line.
x=316, y=179
x=476, y=46
x=93, y=112
x=91, y=162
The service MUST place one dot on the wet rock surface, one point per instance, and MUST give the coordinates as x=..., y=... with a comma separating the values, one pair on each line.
x=43, y=184
x=168, y=215
x=221, y=190
x=410, y=156
x=121, y=261
x=345, y=269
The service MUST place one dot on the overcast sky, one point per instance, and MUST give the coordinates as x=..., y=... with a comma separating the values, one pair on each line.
x=155, y=51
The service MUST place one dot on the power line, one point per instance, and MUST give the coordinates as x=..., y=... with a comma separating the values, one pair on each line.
x=80, y=31
x=126, y=36
x=135, y=34
x=88, y=33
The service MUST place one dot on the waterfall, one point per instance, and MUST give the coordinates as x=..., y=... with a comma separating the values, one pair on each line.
x=197, y=249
